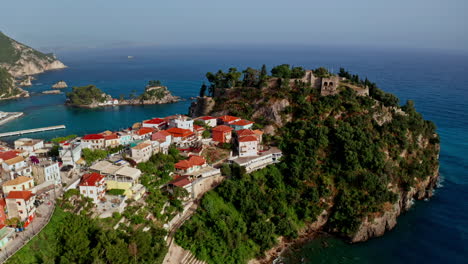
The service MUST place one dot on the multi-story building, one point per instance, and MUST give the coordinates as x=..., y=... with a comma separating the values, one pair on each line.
x=227, y=119
x=208, y=120
x=47, y=171
x=143, y=133
x=14, y=165
x=247, y=146
x=20, y=204
x=70, y=153
x=28, y=144
x=190, y=165
x=93, y=141
x=142, y=152
x=20, y=183
x=222, y=134
x=111, y=140
x=158, y=123
x=161, y=141
x=118, y=176
x=181, y=121
x=93, y=185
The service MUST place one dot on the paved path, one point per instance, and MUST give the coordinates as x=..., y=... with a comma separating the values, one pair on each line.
x=43, y=215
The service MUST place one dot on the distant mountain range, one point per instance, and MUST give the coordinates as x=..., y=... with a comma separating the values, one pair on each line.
x=21, y=60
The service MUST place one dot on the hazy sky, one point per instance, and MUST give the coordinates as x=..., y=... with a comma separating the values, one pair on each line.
x=439, y=24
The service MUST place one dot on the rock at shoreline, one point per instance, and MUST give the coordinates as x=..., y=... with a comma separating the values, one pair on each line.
x=26, y=81
x=60, y=85
x=52, y=92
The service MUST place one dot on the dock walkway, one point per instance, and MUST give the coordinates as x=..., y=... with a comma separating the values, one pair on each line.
x=34, y=130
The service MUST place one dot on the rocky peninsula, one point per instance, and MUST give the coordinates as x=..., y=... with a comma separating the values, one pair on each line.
x=21, y=60
x=354, y=159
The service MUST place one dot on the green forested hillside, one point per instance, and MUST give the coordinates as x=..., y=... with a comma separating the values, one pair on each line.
x=337, y=158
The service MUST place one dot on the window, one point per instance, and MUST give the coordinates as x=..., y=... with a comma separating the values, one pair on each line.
x=18, y=203
x=91, y=192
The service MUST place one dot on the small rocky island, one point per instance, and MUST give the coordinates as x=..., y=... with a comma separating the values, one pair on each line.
x=60, y=85
x=91, y=97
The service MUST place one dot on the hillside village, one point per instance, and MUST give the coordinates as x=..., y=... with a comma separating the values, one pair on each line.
x=32, y=174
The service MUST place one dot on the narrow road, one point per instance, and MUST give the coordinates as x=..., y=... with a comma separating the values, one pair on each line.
x=43, y=215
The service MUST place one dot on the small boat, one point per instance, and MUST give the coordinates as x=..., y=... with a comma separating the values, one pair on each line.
x=129, y=57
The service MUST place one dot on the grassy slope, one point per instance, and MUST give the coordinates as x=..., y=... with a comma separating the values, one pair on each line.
x=41, y=245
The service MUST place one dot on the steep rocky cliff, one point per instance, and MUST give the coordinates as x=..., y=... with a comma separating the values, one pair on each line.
x=8, y=88
x=21, y=60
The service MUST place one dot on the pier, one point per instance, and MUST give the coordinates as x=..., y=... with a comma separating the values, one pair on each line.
x=34, y=130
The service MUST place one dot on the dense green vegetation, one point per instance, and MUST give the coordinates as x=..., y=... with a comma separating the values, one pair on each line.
x=337, y=157
x=7, y=84
x=85, y=95
x=70, y=238
x=8, y=53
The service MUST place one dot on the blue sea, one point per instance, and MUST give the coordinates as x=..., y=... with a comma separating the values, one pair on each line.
x=434, y=231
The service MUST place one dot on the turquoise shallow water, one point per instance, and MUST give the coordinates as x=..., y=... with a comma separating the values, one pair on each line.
x=432, y=232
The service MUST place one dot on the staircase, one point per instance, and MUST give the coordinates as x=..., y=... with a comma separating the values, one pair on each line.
x=189, y=258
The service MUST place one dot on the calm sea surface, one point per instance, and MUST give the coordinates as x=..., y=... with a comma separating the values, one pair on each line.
x=434, y=231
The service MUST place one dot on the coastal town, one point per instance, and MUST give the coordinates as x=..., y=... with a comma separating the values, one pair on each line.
x=33, y=177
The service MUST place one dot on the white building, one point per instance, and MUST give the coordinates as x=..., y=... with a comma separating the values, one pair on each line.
x=161, y=141
x=142, y=152
x=16, y=166
x=47, y=171
x=21, y=183
x=247, y=146
x=20, y=204
x=29, y=145
x=209, y=120
x=70, y=153
x=93, y=141
x=181, y=121
x=271, y=156
x=93, y=186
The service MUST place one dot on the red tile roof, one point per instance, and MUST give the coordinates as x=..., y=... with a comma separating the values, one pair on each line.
x=248, y=139
x=192, y=161
x=2, y=202
x=25, y=195
x=223, y=128
x=245, y=132
x=111, y=136
x=91, y=179
x=93, y=136
x=207, y=117
x=179, y=132
x=180, y=181
x=198, y=128
x=228, y=118
x=8, y=155
x=242, y=122
x=154, y=121
x=160, y=136
x=144, y=130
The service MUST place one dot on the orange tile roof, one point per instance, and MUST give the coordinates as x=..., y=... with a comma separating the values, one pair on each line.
x=111, y=136
x=14, y=160
x=160, y=136
x=223, y=128
x=198, y=128
x=244, y=132
x=179, y=132
x=258, y=132
x=142, y=145
x=16, y=181
x=242, y=122
x=248, y=139
x=192, y=161
x=144, y=130
x=180, y=181
x=24, y=195
x=228, y=118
